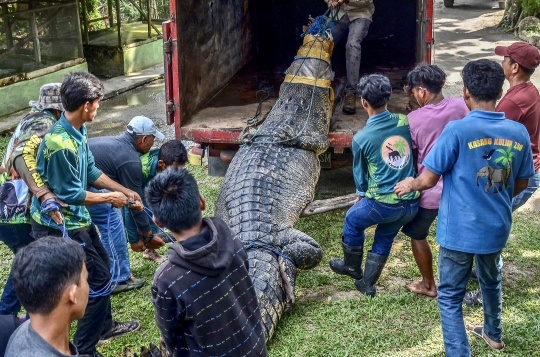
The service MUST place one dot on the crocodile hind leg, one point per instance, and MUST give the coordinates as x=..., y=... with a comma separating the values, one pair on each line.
x=303, y=250
x=264, y=271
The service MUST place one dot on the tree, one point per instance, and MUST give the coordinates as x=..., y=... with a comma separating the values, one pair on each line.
x=400, y=147
x=506, y=159
x=515, y=10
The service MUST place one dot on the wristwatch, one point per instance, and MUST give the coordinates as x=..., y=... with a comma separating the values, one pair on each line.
x=147, y=238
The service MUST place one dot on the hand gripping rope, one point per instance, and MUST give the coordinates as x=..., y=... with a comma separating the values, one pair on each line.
x=51, y=204
x=150, y=215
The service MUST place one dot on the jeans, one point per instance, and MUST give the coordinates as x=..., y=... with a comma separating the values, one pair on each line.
x=97, y=316
x=15, y=236
x=389, y=219
x=110, y=223
x=454, y=271
x=358, y=29
x=520, y=199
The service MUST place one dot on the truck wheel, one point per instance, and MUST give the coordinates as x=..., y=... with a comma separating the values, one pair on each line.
x=448, y=3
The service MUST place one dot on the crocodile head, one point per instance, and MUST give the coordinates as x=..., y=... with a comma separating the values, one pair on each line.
x=306, y=98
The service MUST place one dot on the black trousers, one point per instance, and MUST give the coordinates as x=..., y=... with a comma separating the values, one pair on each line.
x=97, y=318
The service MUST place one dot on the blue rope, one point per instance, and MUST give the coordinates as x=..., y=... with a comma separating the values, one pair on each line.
x=150, y=215
x=267, y=247
x=319, y=27
x=51, y=204
x=323, y=23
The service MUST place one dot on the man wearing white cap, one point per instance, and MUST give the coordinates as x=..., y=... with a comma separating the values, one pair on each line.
x=118, y=157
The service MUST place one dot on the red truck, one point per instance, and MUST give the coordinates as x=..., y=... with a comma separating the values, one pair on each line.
x=223, y=57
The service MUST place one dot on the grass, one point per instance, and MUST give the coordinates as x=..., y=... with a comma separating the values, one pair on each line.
x=330, y=318
x=4, y=141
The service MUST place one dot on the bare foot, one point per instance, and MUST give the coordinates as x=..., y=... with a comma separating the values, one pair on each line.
x=153, y=255
x=418, y=287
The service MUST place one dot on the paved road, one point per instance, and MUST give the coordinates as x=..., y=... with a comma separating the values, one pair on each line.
x=467, y=32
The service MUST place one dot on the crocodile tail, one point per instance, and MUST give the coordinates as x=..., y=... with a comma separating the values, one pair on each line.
x=264, y=271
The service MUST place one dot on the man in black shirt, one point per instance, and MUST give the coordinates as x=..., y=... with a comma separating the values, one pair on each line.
x=118, y=157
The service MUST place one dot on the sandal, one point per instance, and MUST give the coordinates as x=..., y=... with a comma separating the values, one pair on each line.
x=479, y=331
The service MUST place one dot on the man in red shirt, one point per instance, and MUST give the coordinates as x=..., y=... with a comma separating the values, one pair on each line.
x=521, y=103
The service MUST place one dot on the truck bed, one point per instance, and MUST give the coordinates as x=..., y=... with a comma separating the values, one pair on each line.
x=229, y=110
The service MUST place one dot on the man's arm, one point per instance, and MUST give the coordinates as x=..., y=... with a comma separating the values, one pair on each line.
x=336, y=3
x=61, y=170
x=130, y=176
x=360, y=171
x=106, y=182
x=426, y=180
x=25, y=164
x=519, y=186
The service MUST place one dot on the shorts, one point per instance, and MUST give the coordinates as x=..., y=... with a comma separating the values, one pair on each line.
x=418, y=228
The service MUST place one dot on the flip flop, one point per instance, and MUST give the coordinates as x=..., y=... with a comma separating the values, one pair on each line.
x=479, y=331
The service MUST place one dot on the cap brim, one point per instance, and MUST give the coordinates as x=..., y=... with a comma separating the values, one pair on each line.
x=41, y=106
x=159, y=135
x=502, y=51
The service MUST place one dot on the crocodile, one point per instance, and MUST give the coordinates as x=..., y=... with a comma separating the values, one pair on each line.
x=272, y=178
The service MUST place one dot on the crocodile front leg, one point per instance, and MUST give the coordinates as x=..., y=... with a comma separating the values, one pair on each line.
x=287, y=136
x=316, y=143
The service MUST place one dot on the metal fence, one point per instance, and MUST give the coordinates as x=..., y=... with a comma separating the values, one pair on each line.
x=35, y=35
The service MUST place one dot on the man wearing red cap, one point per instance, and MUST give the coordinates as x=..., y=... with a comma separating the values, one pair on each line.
x=521, y=103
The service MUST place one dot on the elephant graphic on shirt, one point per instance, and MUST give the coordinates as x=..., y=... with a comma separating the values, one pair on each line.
x=494, y=177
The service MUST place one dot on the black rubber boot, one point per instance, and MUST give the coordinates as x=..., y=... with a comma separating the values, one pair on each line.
x=351, y=264
x=372, y=272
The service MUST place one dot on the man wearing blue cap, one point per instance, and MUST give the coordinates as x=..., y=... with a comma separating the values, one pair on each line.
x=118, y=157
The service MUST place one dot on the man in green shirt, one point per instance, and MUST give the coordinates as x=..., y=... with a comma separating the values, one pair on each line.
x=66, y=166
x=382, y=157
x=172, y=153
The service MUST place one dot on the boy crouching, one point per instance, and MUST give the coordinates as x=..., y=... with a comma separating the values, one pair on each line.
x=204, y=300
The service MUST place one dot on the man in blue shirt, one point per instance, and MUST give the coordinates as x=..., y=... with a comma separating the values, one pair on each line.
x=485, y=160
x=382, y=157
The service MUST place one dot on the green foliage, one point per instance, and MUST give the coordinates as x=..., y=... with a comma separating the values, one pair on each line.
x=530, y=7
x=4, y=140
